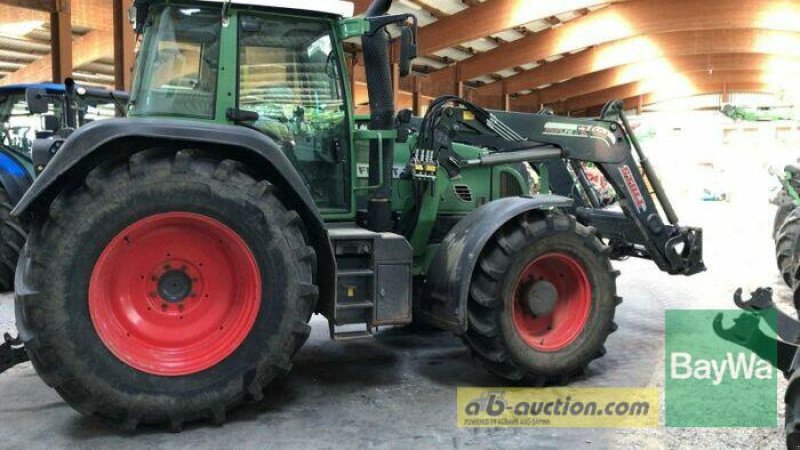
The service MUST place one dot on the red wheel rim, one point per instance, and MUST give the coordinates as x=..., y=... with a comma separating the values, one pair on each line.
x=142, y=309
x=566, y=321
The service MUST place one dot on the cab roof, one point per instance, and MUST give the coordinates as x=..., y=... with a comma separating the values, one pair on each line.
x=333, y=7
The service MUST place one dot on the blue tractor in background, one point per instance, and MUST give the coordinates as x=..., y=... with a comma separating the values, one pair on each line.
x=38, y=111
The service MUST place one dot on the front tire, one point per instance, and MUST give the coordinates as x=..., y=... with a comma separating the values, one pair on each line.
x=786, y=246
x=781, y=212
x=169, y=287
x=12, y=239
x=542, y=300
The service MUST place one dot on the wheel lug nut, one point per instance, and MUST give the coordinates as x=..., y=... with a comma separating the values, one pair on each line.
x=167, y=267
x=153, y=294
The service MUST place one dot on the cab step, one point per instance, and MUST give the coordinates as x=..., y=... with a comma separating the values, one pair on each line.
x=348, y=332
x=373, y=280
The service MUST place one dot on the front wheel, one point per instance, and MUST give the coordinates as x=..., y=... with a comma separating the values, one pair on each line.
x=542, y=300
x=166, y=289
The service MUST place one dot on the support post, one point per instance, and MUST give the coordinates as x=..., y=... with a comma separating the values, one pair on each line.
x=61, y=41
x=506, y=97
x=396, y=83
x=124, y=46
x=416, y=99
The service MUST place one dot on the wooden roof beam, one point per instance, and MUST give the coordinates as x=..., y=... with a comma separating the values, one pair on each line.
x=702, y=88
x=643, y=48
x=489, y=17
x=655, y=68
x=619, y=21
x=684, y=85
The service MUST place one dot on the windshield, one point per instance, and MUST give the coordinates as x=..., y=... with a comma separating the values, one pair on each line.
x=177, y=75
x=18, y=127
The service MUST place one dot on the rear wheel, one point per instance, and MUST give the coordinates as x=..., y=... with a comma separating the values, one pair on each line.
x=786, y=246
x=168, y=289
x=12, y=239
x=542, y=300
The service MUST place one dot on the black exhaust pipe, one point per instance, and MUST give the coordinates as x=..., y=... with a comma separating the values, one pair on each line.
x=381, y=105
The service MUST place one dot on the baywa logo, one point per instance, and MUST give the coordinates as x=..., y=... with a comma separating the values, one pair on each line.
x=744, y=365
x=720, y=370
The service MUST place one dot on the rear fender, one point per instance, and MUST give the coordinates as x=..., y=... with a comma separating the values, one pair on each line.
x=450, y=272
x=118, y=138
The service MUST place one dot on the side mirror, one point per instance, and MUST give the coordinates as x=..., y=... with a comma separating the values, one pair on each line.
x=408, y=48
x=137, y=15
x=50, y=122
x=37, y=100
x=132, y=16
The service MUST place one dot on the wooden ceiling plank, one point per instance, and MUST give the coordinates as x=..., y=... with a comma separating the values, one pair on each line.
x=93, y=46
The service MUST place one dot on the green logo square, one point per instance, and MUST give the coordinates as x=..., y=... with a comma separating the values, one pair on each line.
x=719, y=370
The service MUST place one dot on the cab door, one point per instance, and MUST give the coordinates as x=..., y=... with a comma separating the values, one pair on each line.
x=289, y=74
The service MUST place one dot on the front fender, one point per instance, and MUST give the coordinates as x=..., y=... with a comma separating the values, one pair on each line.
x=450, y=272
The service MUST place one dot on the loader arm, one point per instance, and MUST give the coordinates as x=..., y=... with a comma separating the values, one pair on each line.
x=559, y=145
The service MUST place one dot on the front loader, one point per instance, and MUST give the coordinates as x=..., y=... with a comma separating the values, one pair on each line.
x=176, y=256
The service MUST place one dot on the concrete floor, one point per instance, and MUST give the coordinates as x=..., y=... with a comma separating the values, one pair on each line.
x=398, y=390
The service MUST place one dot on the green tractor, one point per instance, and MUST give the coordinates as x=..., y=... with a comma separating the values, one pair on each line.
x=176, y=256
x=758, y=114
x=786, y=227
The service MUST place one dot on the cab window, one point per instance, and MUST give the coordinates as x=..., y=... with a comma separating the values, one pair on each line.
x=289, y=75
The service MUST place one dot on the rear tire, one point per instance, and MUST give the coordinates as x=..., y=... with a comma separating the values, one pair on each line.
x=68, y=339
x=512, y=341
x=12, y=239
x=786, y=246
x=782, y=211
x=792, y=411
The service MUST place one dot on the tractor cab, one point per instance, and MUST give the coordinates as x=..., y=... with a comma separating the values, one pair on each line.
x=279, y=74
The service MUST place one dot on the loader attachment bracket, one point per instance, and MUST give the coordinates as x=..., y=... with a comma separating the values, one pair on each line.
x=684, y=251
x=12, y=352
x=746, y=331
